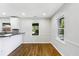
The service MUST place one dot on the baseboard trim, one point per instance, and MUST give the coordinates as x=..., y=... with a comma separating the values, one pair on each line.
x=57, y=49
x=73, y=43
x=35, y=42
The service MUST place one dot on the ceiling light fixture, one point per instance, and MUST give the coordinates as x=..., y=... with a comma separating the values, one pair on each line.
x=23, y=14
x=3, y=13
x=44, y=14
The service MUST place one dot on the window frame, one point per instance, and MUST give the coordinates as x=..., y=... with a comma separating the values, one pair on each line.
x=60, y=29
x=37, y=25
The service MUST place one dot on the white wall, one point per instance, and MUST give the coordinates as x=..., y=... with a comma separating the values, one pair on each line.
x=44, y=30
x=71, y=36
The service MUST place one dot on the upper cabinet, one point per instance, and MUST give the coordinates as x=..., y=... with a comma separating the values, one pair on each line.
x=14, y=22
x=5, y=20
x=0, y=25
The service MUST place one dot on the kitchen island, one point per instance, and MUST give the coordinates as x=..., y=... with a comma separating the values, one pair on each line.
x=9, y=42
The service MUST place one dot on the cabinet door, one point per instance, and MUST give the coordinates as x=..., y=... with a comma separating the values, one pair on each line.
x=19, y=39
x=11, y=43
x=14, y=23
x=5, y=20
x=0, y=46
x=0, y=25
x=6, y=46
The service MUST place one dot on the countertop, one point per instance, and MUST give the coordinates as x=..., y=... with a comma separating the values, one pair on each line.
x=9, y=34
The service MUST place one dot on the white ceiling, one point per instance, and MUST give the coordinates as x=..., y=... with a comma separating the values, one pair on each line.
x=29, y=9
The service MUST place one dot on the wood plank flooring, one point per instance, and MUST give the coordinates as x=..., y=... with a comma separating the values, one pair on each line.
x=45, y=49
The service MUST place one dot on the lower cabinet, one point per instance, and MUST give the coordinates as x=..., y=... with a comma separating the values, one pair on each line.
x=0, y=47
x=10, y=43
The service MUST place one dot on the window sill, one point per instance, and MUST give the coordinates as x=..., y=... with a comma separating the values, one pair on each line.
x=61, y=41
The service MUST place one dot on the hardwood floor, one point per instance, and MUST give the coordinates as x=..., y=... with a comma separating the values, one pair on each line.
x=35, y=50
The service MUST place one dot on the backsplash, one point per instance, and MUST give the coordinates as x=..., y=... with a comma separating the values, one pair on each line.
x=6, y=27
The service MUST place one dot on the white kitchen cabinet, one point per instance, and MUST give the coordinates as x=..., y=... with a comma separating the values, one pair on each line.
x=5, y=20
x=0, y=25
x=8, y=44
x=0, y=47
x=14, y=22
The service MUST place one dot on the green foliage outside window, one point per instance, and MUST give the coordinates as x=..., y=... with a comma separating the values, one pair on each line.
x=61, y=27
x=35, y=29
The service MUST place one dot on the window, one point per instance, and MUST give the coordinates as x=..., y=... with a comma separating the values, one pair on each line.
x=61, y=28
x=35, y=29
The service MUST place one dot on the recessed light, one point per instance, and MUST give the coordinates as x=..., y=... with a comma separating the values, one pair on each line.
x=44, y=14
x=4, y=13
x=23, y=14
